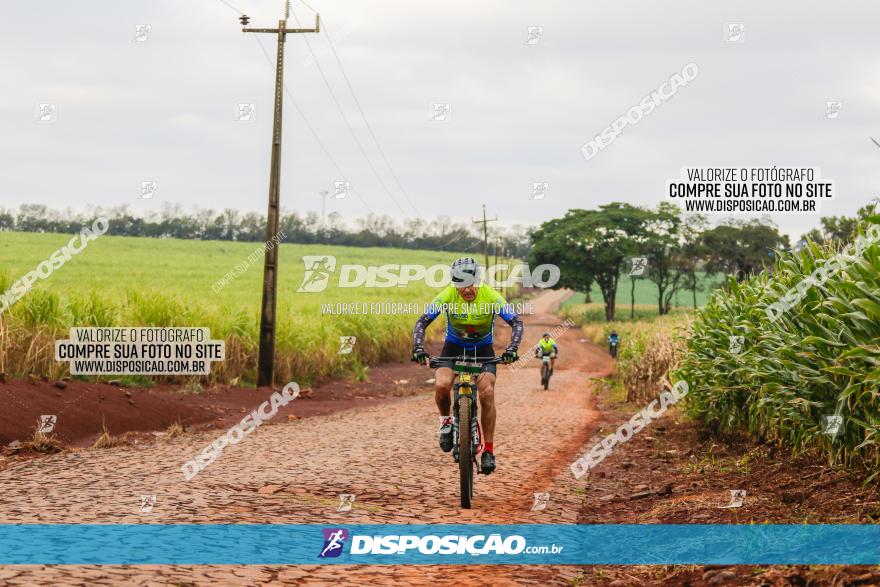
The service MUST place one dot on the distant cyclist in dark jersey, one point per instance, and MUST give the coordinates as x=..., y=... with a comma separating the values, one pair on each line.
x=470, y=309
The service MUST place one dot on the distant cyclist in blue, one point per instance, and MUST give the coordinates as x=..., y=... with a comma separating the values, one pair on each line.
x=613, y=343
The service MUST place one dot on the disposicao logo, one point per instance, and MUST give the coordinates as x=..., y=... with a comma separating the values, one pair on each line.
x=334, y=540
x=317, y=272
x=318, y=269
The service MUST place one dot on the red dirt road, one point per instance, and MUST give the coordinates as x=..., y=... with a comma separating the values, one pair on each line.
x=294, y=471
x=85, y=409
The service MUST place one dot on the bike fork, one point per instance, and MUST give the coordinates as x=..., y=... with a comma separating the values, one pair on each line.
x=475, y=430
x=455, y=435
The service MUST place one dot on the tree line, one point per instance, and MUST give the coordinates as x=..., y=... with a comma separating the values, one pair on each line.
x=589, y=246
x=597, y=246
x=440, y=234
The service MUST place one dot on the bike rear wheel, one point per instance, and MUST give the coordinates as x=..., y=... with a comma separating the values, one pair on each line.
x=465, y=458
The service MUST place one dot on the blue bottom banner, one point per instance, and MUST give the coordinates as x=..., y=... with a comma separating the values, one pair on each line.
x=529, y=544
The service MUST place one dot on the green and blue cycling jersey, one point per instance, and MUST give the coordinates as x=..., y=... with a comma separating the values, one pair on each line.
x=469, y=324
x=547, y=346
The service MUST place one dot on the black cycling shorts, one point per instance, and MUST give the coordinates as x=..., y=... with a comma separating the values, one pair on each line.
x=451, y=349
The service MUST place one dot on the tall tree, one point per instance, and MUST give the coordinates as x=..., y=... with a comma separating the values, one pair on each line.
x=840, y=229
x=590, y=244
x=742, y=247
x=660, y=239
x=693, y=252
x=550, y=246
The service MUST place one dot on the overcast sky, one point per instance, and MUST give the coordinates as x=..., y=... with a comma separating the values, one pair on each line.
x=163, y=109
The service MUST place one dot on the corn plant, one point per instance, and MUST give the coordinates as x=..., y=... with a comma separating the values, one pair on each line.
x=781, y=379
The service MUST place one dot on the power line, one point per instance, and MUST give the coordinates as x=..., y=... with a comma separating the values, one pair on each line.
x=312, y=130
x=363, y=115
x=348, y=124
x=360, y=109
x=232, y=7
x=303, y=116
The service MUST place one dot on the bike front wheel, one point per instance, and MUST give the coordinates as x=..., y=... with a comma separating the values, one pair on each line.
x=465, y=458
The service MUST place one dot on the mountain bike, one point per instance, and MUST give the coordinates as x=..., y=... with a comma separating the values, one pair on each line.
x=466, y=438
x=545, y=371
x=612, y=348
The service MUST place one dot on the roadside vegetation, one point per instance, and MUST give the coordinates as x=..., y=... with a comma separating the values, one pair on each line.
x=121, y=281
x=781, y=380
x=807, y=379
x=677, y=255
x=649, y=346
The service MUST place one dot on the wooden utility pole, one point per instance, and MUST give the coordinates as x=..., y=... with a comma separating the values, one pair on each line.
x=497, y=243
x=266, y=365
x=495, y=273
x=485, y=222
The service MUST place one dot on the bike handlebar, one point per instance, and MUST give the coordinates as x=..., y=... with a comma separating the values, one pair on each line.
x=434, y=361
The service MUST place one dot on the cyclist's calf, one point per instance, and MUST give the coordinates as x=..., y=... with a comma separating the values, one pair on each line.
x=486, y=392
x=443, y=378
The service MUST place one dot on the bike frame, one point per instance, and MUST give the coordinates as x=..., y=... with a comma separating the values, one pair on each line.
x=466, y=370
x=465, y=384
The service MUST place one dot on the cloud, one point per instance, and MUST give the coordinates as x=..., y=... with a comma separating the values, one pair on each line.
x=162, y=109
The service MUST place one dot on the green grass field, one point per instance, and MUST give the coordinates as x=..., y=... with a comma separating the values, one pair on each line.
x=124, y=281
x=646, y=294
x=115, y=265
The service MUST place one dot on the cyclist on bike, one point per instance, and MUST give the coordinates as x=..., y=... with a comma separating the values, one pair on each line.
x=470, y=308
x=547, y=347
x=613, y=342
